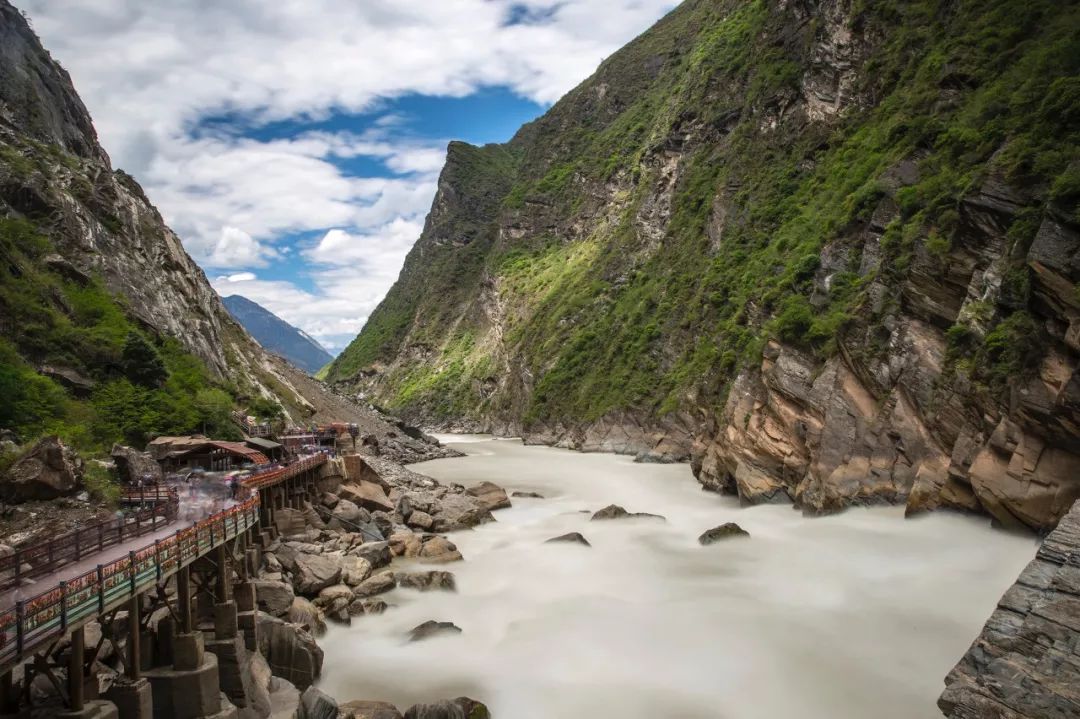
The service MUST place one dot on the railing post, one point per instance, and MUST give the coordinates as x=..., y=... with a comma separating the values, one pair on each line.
x=131, y=559
x=20, y=629
x=101, y=588
x=157, y=557
x=63, y=606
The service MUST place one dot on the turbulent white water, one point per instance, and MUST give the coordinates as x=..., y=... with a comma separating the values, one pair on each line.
x=856, y=615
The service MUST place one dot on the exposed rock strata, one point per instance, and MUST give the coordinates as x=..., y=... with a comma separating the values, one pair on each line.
x=1024, y=664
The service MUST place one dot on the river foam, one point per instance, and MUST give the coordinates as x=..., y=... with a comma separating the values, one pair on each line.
x=855, y=615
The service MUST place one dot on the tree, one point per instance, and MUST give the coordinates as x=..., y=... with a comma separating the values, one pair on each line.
x=141, y=363
x=214, y=407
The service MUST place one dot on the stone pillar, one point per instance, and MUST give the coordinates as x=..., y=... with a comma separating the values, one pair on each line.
x=224, y=580
x=134, y=649
x=133, y=700
x=76, y=673
x=183, y=599
x=9, y=699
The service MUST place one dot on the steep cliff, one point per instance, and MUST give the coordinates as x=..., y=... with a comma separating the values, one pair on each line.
x=1024, y=663
x=825, y=250
x=109, y=331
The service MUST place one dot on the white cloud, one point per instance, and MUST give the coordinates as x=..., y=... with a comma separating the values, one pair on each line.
x=151, y=71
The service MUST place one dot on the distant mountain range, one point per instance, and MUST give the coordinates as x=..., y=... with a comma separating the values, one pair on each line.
x=277, y=335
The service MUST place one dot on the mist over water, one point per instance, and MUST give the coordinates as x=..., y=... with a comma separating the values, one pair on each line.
x=856, y=615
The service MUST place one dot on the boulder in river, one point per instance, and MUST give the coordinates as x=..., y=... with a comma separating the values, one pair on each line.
x=49, y=470
x=527, y=495
x=432, y=628
x=726, y=530
x=439, y=550
x=426, y=581
x=439, y=710
x=473, y=709
x=317, y=704
x=572, y=537
x=614, y=511
x=363, y=709
x=490, y=495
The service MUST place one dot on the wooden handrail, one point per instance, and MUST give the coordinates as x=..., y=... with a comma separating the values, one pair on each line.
x=77, y=600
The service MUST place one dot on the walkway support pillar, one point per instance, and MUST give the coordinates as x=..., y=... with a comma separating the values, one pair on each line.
x=76, y=661
x=183, y=598
x=221, y=557
x=134, y=654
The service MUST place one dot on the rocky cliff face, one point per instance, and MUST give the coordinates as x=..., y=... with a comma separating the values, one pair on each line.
x=85, y=258
x=1024, y=663
x=824, y=250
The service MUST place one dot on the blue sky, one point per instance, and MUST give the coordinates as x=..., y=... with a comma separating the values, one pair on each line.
x=295, y=146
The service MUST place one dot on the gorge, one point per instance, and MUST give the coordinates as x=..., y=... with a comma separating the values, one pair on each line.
x=767, y=336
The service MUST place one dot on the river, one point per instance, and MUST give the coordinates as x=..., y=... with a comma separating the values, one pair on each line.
x=855, y=615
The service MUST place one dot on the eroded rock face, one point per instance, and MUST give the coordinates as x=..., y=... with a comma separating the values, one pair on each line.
x=1024, y=663
x=50, y=469
x=362, y=709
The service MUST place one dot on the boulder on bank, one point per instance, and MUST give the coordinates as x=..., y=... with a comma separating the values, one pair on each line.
x=362, y=709
x=50, y=469
x=572, y=537
x=304, y=613
x=432, y=628
x=315, y=572
x=490, y=495
x=726, y=530
x=439, y=549
x=614, y=511
x=368, y=495
x=273, y=597
x=375, y=584
x=134, y=465
x=290, y=651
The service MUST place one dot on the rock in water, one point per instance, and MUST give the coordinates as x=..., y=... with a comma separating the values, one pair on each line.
x=724, y=531
x=614, y=511
x=1024, y=663
x=440, y=710
x=491, y=495
x=473, y=709
x=49, y=470
x=316, y=704
x=426, y=581
x=362, y=709
x=572, y=537
x=528, y=495
x=431, y=628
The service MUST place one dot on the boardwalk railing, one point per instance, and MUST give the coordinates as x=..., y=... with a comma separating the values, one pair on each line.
x=46, y=557
x=33, y=621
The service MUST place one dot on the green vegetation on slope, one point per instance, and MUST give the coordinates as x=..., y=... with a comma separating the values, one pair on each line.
x=123, y=384
x=964, y=91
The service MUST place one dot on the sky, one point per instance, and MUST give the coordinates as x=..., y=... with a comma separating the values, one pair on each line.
x=295, y=145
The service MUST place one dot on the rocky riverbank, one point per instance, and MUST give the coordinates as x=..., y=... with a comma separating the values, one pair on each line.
x=332, y=559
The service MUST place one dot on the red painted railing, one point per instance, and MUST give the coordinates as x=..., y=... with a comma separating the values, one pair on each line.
x=49, y=614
